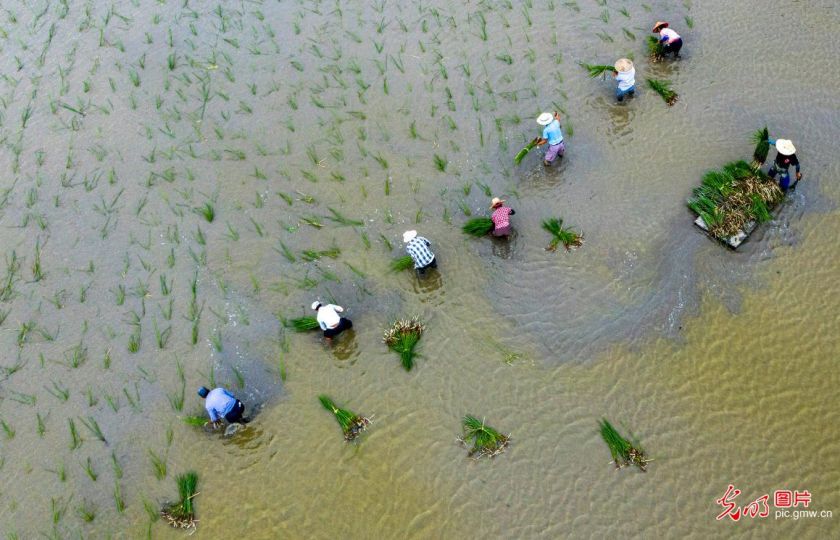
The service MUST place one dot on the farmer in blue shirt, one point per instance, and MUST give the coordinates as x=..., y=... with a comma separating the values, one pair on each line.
x=222, y=404
x=552, y=135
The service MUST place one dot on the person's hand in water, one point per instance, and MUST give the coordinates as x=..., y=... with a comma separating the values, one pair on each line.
x=799, y=176
x=213, y=425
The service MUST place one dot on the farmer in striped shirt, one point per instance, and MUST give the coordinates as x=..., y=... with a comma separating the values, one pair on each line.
x=501, y=217
x=418, y=248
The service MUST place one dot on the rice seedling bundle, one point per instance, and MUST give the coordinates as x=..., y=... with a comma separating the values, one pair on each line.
x=479, y=226
x=351, y=423
x=761, y=138
x=304, y=324
x=195, y=420
x=663, y=88
x=596, y=70
x=402, y=337
x=182, y=514
x=729, y=199
x=402, y=263
x=485, y=440
x=623, y=451
x=656, y=50
x=517, y=159
x=561, y=235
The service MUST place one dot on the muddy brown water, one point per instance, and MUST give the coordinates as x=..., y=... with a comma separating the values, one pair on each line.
x=720, y=362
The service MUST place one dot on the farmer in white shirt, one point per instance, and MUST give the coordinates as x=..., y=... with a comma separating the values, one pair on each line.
x=625, y=76
x=329, y=319
x=670, y=40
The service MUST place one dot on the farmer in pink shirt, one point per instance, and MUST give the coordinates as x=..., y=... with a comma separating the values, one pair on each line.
x=501, y=217
x=670, y=40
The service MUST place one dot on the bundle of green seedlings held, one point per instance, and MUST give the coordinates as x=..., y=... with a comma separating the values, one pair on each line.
x=485, y=440
x=479, y=226
x=761, y=138
x=182, y=513
x=351, y=423
x=596, y=70
x=304, y=324
x=730, y=198
x=402, y=337
x=517, y=159
x=623, y=451
x=561, y=235
x=402, y=263
x=656, y=51
x=663, y=88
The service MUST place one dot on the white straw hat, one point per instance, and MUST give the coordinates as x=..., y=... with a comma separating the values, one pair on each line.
x=315, y=304
x=408, y=236
x=545, y=118
x=785, y=147
x=496, y=202
x=623, y=65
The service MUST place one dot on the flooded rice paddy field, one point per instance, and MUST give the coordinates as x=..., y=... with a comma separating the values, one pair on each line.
x=172, y=171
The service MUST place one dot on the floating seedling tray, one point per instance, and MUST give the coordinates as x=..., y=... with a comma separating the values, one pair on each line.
x=733, y=241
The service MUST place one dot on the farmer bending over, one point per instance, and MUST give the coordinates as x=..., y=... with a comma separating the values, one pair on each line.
x=330, y=321
x=670, y=40
x=221, y=404
x=418, y=248
x=552, y=135
x=501, y=217
x=625, y=76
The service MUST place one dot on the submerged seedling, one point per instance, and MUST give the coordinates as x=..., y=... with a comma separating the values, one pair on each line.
x=561, y=235
x=623, y=451
x=402, y=338
x=351, y=423
x=485, y=440
x=182, y=513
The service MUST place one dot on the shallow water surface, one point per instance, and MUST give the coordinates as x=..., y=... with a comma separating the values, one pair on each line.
x=179, y=180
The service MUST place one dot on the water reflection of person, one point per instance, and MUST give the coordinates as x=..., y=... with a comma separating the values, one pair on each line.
x=785, y=157
x=222, y=404
x=501, y=217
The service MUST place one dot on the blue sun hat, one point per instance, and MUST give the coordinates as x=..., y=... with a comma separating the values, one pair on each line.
x=203, y=391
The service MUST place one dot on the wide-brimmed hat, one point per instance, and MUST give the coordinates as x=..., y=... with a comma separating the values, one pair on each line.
x=623, y=64
x=545, y=118
x=316, y=304
x=408, y=236
x=785, y=147
x=659, y=25
x=496, y=202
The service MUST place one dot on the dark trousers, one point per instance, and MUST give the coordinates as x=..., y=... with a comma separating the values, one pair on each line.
x=343, y=324
x=433, y=264
x=674, y=47
x=235, y=414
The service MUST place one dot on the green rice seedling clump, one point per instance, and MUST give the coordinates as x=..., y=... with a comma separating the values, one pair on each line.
x=623, y=451
x=194, y=420
x=304, y=324
x=656, y=51
x=485, y=440
x=596, y=70
x=561, y=235
x=182, y=513
x=517, y=159
x=402, y=263
x=479, y=226
x=402, y=338
x=351, y=423
x=730, y=198
x=761, y=138
x=663, y=88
